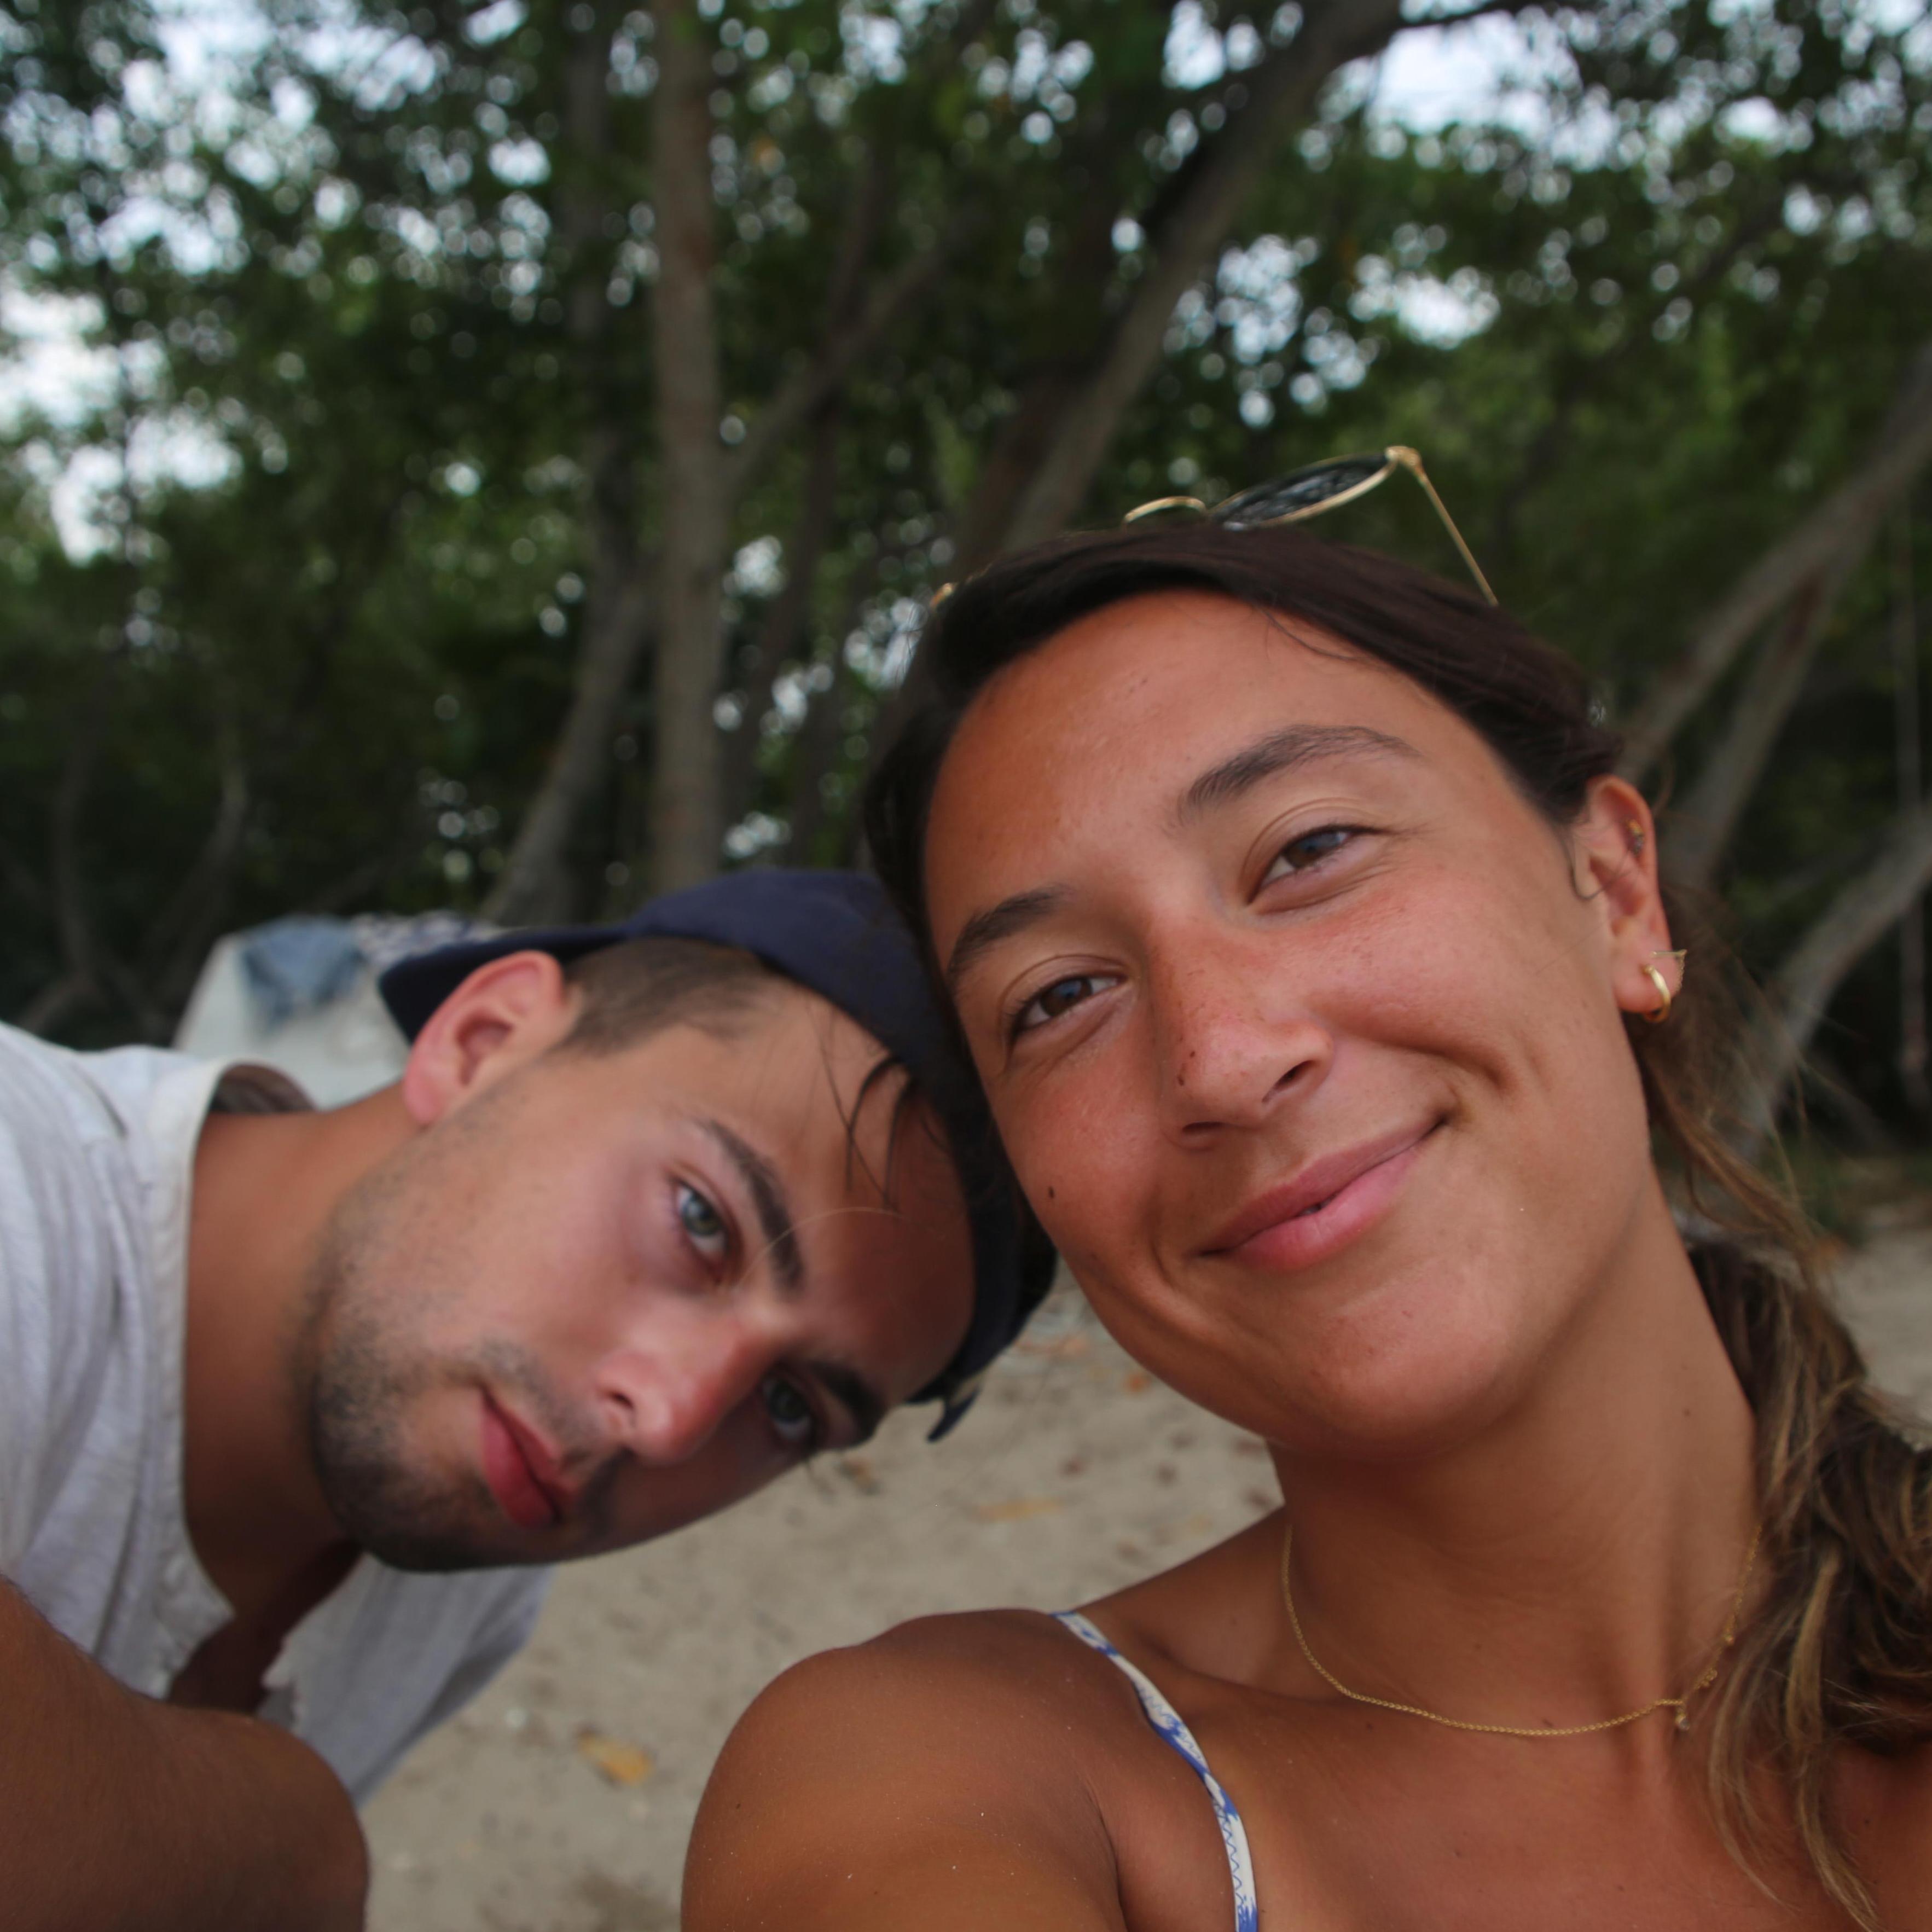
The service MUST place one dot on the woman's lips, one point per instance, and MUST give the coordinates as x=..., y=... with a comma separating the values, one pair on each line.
x=1324, y=1208
x=510, y=1467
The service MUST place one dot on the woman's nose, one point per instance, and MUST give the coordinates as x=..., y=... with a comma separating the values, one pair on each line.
x=667, y=1391
x=1233, y=1039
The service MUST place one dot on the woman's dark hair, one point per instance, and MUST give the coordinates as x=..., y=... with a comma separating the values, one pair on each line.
x=1839, y=1649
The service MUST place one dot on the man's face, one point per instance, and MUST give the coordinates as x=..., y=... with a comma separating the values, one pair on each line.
x=601, y=1295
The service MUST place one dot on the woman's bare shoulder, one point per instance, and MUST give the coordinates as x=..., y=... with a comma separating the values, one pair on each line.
x=983, y=1677
x=944, y=1756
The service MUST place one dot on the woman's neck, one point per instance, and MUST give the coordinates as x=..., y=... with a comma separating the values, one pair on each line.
x=1574, y=1558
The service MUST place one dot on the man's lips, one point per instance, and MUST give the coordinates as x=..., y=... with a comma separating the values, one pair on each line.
x=522, y=1472
x=1323, y=1207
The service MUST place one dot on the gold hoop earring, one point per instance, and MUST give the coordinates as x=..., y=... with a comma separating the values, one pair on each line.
x=1661, y=1012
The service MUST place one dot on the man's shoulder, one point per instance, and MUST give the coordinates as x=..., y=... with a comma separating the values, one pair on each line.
x=61, y=1111
x=67, y=1204
x=398, y=1652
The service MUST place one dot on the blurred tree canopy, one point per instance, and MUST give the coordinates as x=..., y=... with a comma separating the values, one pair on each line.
x=518, y=441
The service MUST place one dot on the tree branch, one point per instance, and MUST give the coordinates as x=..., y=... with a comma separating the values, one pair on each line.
x=82, y=983
x=1281, y=91
x=1843, y=522
x=1856, y=920
x=808, y=390
x=1703, y=827
x=784, y=626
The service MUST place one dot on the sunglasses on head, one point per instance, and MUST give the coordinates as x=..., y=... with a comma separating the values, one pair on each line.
x=1306, y=493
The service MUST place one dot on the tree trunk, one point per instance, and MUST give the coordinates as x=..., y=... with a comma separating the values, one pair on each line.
x=1849, y=927
x=177, y=942
x=1702, y=828
x=535, y=886
x=1844, y=521
x=686, y=827
x=1912, y=1041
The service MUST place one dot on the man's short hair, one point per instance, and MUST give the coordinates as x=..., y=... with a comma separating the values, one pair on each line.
x=640, y=987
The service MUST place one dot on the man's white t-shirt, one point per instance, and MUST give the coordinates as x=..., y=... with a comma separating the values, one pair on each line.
x=97, y=1153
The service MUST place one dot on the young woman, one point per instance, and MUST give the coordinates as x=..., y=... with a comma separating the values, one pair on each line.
x=1315, y=962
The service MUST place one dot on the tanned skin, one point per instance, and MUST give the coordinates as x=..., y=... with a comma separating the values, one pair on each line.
x=1239, y=927
x=678, y=1268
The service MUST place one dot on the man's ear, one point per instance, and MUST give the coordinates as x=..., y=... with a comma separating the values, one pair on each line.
x=1615, y=844
x=500, y=1018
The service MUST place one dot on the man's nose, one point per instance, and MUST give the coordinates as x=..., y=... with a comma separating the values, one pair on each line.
x=666, y=1391
x=1233, y=1037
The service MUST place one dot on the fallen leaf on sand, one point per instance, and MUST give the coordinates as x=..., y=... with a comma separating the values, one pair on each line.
x=613, y=1759
x=1065, y=1348
x=860, y=1474
x=1014, y=1508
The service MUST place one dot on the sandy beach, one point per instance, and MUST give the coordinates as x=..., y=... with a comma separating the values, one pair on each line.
x=560, y=1801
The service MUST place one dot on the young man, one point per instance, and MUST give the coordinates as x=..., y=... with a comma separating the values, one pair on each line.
x=295, y=1403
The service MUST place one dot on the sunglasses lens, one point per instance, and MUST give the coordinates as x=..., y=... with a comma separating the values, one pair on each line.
x=1300, y=492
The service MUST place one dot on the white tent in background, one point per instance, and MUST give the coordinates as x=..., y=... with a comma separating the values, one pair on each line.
x=299, y=995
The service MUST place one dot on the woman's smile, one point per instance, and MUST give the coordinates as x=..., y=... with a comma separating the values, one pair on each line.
x=1326, y=1207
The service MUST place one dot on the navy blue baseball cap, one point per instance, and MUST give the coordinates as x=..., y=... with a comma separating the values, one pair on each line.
x=836, y=934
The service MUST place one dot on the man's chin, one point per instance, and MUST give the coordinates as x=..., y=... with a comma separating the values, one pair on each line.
x=432, y=1551
x=415, y=1525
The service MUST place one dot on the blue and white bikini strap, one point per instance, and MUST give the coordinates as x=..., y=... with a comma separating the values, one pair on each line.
x=1166, y=1720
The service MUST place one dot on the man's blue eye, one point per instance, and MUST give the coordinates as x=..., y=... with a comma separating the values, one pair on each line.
x=702, y=1222
x=791, y=1414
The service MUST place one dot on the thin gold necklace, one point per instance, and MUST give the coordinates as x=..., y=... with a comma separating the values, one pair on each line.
x=1679, y=1704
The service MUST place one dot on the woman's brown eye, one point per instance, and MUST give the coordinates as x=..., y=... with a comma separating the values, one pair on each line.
x=1062, y=997
x=1310, y=849
x=1063, y=994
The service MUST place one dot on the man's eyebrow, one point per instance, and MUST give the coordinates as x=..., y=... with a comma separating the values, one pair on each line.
x=768, y=1199
x=1280, y=751
x=984, y=930
x=861, y=1402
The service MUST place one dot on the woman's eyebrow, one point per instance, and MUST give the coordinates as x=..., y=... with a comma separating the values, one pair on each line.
x=984, y=930
x=1279, y=751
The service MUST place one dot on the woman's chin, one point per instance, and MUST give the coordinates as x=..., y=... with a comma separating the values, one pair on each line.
x=1390, y=1376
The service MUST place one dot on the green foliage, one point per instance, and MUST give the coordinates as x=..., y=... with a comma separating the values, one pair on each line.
x=396, y=270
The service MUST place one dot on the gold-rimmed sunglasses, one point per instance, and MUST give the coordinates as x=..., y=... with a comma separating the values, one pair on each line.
x=1306, y=492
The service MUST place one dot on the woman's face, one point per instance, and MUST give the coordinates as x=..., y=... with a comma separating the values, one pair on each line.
x=1303, y=1027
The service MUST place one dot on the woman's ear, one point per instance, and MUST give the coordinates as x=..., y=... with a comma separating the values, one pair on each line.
x=1614, y=842
x=502, y=1017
